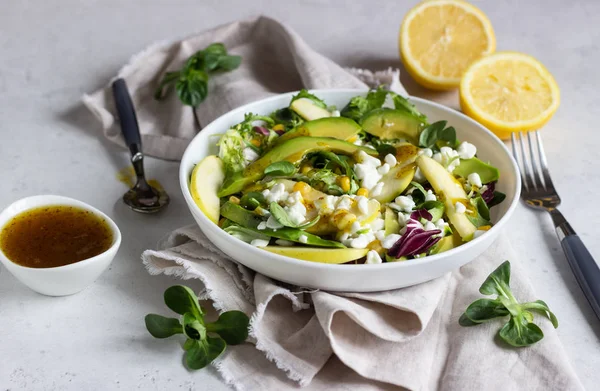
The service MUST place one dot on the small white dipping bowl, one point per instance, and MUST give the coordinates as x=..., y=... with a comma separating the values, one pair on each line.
x=356, y=278
x=61, y=280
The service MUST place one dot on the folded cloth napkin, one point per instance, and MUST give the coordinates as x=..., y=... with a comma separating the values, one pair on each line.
x=407, y=338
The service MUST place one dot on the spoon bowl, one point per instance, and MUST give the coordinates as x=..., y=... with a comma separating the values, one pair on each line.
x=142, y=197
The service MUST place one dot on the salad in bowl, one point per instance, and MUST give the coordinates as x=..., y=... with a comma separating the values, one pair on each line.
x=371, y=182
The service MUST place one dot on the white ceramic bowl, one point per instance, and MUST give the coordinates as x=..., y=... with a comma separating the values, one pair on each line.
x=356, y=278
x=62, y=280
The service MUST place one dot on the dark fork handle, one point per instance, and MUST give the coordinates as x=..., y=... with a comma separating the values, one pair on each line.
x=582, y=263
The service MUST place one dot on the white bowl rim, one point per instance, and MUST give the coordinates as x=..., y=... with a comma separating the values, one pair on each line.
x=183, y=179
x=58, y=200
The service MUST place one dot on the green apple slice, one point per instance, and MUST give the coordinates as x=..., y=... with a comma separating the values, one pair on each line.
x=448, y=188
x=395, y=182
x=308, y=110
x=320, y=255
x=207, y=178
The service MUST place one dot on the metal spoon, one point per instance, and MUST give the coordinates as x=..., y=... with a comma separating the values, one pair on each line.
x=142, y=197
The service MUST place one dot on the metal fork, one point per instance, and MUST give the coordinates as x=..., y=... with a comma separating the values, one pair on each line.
x=538, y=192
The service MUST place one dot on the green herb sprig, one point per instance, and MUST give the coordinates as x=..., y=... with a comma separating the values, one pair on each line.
x=284, y=219
x=191, y=81
x=205, y=341
x=519, y=330
x=437, y=133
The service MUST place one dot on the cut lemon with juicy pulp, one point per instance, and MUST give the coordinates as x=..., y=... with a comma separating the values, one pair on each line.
x=509, y=92
x=207, y=178
x=439, y=39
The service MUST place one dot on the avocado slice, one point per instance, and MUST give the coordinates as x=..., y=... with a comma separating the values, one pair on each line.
x=320, y=255
x=487, y=172
x=446, y=243
x=292, y=151
x=389, y=124
x=308, y=110
x=335, y=127
x=451, y=191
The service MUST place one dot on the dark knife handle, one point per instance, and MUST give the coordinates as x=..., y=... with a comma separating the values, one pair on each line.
x=582, y=263
x=127, y=117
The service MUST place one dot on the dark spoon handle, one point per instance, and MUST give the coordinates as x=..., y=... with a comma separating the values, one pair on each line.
x=127, y=117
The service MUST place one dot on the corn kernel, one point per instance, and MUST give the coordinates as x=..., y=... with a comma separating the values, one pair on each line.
x=352, y=139
x=362, y=192
x=234, y=200
x=302, y=187
x=376, y=245
x=342, y=219
x=255, y=142
x=278, y=127
x=344, y=183
x=484, y=227
x=305, y=168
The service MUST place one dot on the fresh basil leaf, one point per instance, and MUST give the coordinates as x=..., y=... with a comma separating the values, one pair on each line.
x=181, y=299
x=449, y=135
x=284, y=219
x=283, y=168
x=216, y=47
x=281, y=215
x=162, y=327
x=203, y=352
x=232, y=326
x=193, y=88
x=193, y=327
x=191, y=81
x=359, y=106
x=541, y=307
x=498, y=198
x=498, y=282
x=304, y=94
x=519, y=332
x=168, y=79
x=430, y=134
x=483, y=310
x=229, y=63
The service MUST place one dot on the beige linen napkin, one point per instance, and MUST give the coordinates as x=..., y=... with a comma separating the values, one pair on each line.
x=407, y=338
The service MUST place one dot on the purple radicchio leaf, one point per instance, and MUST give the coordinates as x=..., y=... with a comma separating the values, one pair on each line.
x=261, y=129
x=280, y=132
x=421, y=214
x=488, y=194
x=414, y=241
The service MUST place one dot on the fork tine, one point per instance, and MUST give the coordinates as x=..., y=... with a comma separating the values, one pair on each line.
x=536, y=170
x=544, y=163
x=513, y=144
x=526, y=169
